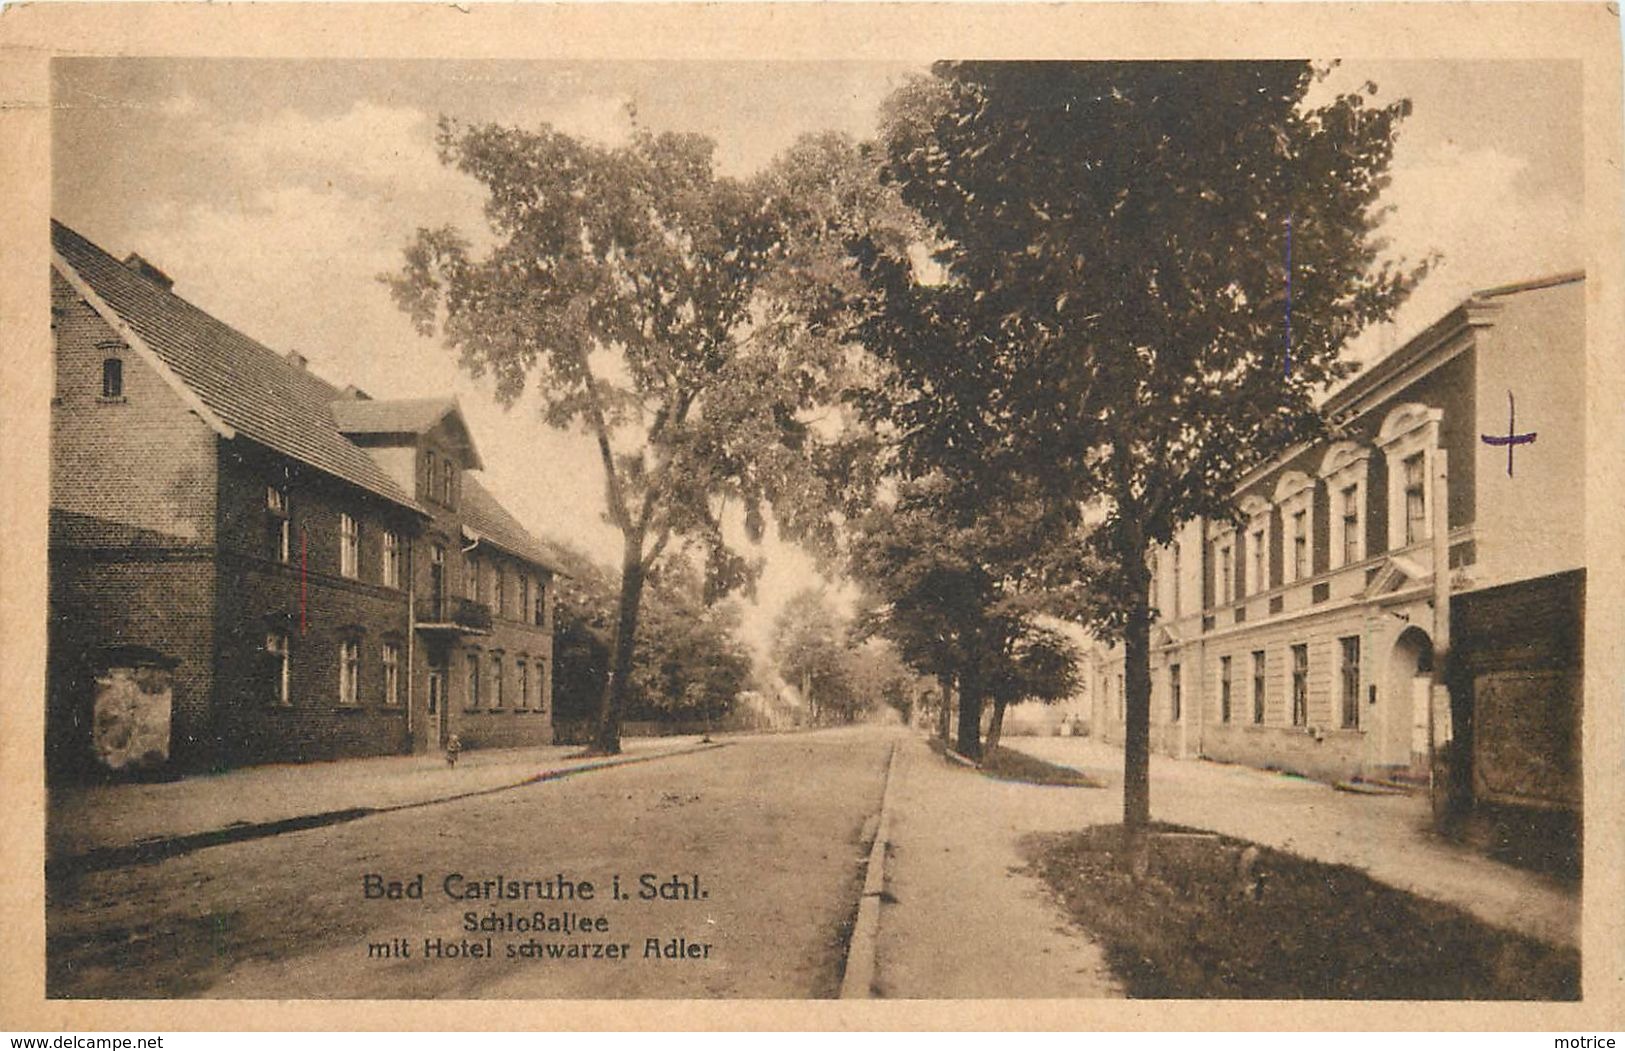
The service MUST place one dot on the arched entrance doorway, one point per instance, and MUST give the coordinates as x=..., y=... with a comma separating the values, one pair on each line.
x=1410, y=686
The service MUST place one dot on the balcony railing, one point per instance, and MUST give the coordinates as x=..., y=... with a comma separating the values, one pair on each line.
x=459, y=616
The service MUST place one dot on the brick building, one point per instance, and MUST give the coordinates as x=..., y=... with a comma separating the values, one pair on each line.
x=249, y=564
x=1302, y=636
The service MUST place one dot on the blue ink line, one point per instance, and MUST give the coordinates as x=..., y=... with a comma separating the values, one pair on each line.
x=1289, y=294
x=1512, y=439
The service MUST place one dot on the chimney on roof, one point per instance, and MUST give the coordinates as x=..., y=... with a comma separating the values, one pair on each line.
x=297, y=360
x=148, y=271
x=355, y=393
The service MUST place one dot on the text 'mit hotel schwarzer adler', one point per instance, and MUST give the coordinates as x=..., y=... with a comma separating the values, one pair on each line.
x=249, y=564
x=1301, y=636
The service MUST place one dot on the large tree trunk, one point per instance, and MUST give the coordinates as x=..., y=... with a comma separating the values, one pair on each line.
x=970, y=715
x=995, y=728
x=608, y=738
x=1137, y=697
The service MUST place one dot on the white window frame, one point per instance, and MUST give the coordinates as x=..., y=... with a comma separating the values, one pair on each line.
x=349, y=673
x=1292, y=684
x=1346, y=466
x=1409, y=429
x=391, y=661
x=349, y=546
x=1295, y=493
x=276, y=507
x=390, y=545
x=1223, y=539
x=276, y=644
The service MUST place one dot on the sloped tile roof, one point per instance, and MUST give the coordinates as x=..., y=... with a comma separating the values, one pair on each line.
x=492, y=522
x=406, y=416
x=250, y=387
x=394, y=416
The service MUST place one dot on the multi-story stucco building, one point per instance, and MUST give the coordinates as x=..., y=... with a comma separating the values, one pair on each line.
x=249, y=564
x=1301, y=637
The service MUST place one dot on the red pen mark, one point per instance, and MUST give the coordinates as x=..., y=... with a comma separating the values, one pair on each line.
x=1512, y=439
x=303, y=548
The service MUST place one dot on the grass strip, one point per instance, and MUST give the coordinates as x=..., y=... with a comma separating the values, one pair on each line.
x=1215, y=917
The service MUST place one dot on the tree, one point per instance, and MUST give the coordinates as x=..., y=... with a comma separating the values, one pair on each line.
x=960, y=584
x=809, y=647
x=1151, y=270
x=681, y=318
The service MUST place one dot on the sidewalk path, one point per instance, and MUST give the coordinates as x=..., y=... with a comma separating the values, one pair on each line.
x=962, y=918
x=1386, y=836
x=86, y=818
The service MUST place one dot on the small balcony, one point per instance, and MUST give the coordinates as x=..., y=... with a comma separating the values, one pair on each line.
x=457, y=617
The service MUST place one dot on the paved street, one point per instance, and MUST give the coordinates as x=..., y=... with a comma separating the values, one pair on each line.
x=775, y=830
x=773, y=827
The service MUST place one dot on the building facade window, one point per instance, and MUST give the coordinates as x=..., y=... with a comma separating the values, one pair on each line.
x=392, y=673
x=1344, y=470
x=391, y=545
x=277, y=524
x=1227, y=575
x=539, y=615
x=349, y=672
x=1408, y=437
x=524, y=596
x=276, y=652
x=521, y=699
x=1175, y=697
x=499, y=604
x=498, y=698
x=1258, y=544
x=1351, y=682
x=1300, y=545
x=349, y=546
x=437, y=582
x=448, y=484
x=1300, y=684
x=431, y=476
x=471, y=699
x=1258, y=687
x=1350, y=526
x=1178, y=571
x=1295, y=493
x=471, y=578
x=1224, y=689
x=112, y=378
x=1416, y=499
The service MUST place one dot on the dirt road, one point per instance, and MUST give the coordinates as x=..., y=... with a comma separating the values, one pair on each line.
x=738, y=869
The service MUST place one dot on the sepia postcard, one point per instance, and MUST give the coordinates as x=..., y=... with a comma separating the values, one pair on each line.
x=735, y=516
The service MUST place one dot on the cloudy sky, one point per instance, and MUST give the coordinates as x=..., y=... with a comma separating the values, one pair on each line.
x=275, y=192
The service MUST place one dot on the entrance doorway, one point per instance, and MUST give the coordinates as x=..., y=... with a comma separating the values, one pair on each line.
x=435, y=726
x=1410, y=685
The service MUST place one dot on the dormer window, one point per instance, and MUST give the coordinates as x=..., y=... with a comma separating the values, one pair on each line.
x=113, y=378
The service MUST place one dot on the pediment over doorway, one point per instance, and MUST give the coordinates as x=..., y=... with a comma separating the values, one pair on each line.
x=1396, y=573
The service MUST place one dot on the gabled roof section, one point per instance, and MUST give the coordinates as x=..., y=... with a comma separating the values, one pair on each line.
x=407, y=416
x=490, y=522
x=241, y=386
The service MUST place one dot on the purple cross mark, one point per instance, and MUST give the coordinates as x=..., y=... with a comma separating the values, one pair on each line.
x=1512, y=439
